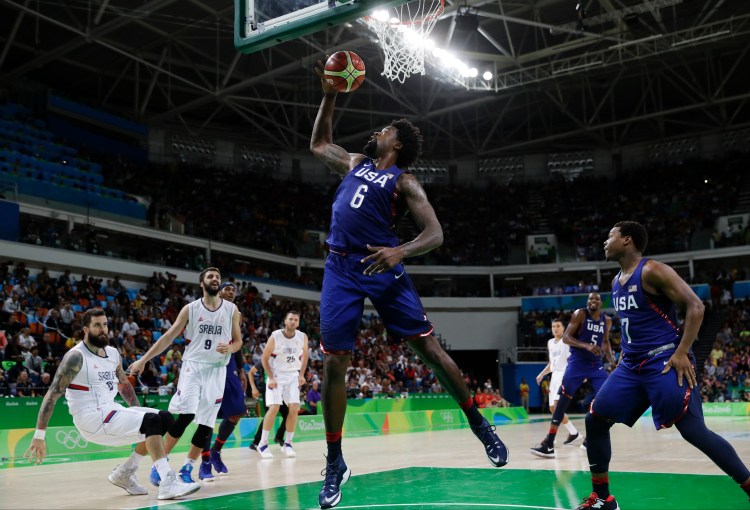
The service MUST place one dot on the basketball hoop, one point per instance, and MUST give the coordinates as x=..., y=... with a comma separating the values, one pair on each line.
x=402, y=32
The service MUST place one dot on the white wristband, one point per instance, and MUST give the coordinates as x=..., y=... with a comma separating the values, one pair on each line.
x=40, y=434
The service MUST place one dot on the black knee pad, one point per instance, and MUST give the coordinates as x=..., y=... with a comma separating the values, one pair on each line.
x=151, y=425
x=596, y=424
x=178, y=427
x=235, y=419
x=202, y=436
x=166, y=421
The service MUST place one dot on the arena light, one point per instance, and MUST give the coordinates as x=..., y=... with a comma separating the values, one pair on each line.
x=487, y=75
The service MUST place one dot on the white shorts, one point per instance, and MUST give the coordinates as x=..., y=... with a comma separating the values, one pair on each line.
x=554, y=387
x=286, y=390
x=113, y=425
x=199, y=391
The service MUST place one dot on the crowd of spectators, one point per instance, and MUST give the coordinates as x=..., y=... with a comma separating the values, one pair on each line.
x=726, y=371
x=262, y=212
x=40, y=322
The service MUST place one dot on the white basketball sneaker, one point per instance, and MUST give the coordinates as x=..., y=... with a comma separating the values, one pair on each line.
x=288, y=451
x=172, y=487
x=264, y=451
x=126, y=479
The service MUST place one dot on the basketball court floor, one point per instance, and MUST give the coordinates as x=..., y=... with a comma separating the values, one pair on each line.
x=426, y=470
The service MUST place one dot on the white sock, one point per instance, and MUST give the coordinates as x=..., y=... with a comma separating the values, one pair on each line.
x=162, y=466
x=264, y=437
x=571, y=428
x=133, y=461
x=289, y=437
x=189, y=461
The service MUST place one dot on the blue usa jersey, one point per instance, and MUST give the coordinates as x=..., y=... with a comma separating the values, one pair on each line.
x=648, y=321
x=591, y=332
x=365, y=209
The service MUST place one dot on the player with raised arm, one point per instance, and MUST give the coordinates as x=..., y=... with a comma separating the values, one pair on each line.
x=232, y=404
x=365, y=261
x=90, y=375
x=645, y=294
x=212, y=327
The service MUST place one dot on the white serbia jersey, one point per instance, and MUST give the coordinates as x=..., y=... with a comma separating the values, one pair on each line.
x=206, y=329
x=559, y=352
x=287, y=355
x=96, y=384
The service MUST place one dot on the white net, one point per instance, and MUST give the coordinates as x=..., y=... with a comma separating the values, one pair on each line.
x=403, y=35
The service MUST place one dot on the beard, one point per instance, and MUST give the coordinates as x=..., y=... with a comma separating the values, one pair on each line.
x=99, y=340
x=370, y=149
x=211, y=291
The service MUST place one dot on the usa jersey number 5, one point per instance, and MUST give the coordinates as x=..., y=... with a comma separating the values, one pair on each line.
x=359, y=196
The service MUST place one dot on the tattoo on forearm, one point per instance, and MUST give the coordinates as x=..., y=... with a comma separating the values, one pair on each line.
x=127, y=392
x=69, y=367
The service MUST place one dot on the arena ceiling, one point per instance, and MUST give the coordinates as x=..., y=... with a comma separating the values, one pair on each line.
x=638, y=70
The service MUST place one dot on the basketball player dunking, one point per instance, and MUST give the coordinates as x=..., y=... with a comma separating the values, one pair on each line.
x=588, y=337
x=365, y=261
x=645, y=293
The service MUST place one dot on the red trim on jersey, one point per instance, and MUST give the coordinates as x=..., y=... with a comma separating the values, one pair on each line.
x=420, y=335
x=562, y=392
x=78, y=387
x=218, y=401
x=685, y=403
x=661, y=314
x=110, y=416
x=340, y=352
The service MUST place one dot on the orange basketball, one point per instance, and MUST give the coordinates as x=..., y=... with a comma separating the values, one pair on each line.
x=344, y=71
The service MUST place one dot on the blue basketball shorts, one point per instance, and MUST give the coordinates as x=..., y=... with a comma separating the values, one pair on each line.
x=343, y=296
x=233, y=403
x=576, y=373
x=636, y=385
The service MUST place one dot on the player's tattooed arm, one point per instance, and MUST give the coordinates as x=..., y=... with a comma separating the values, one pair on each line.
x=69, y=367
x=127, y=392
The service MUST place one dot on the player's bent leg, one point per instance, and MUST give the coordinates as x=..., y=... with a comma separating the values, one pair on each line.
x=125, y=475
x=449, y=375
x=718, y=449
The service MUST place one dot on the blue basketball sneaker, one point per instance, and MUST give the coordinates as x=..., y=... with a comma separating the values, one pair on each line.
x=154, y=477
x=216, y=462
x=186, y=473
x=497, y=452
x=336, y=474
x=204, y=472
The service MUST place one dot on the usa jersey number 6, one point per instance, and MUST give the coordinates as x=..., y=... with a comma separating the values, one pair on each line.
x=359, y=196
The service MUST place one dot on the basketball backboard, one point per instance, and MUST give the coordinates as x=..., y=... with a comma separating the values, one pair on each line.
x=260, y=24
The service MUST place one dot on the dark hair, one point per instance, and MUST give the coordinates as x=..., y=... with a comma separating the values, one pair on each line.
x=556, y=320
x=292, y=312
x=411, y=139
x=636, y=231
x=88, y=314
x=203, y=273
